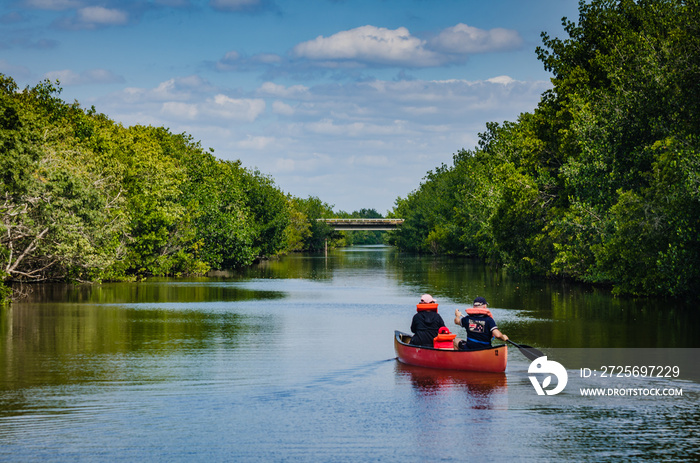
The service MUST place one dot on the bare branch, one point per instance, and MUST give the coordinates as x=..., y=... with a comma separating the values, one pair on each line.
x=32, y=246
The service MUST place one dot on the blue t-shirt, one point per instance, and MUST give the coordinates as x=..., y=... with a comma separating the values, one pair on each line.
x=479, y=328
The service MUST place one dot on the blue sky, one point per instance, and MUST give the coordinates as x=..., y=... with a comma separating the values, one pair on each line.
x=350, y=101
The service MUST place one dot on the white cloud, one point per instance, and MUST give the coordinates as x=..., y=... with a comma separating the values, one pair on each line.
x=384, y=135
x=422, y=102
x=464, y=39
x=266, y=58
x=219, y=108
x=176, y=89
x=180, y=110
x=373, y=47
x=307, y=163
x=244, y=109
x=279, y=107
x=55, y=5
x=378, y=46
x=285, y=165
x=98, y=16
x=174, y=3
x=276, y=90
x=231, y=57
x=422, y=110
x=171, y=89
x=13, y=70
x=233, y=4
x=359, y=129
x=230, y=62
x=503, y=80
x=244, y=6
x=256, y=142
x=187, y=100
x=235, y=61
x=92, y=76
x=369, y=44
x=370, y=161
x=94, y=17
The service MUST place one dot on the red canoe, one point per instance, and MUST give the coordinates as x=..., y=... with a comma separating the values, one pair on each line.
x=493, y=359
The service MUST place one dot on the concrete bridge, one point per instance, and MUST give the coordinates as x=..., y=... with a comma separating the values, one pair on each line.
x=363, y=224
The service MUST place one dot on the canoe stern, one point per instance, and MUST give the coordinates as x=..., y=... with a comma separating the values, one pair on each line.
x=494, y=359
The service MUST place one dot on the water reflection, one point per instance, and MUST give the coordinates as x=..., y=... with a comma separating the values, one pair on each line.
x=548, y=313
x=319, y=266
x=535, y=312
x=294, y=357
x=161, y=290
x=541, y=313
x=475, y=390
x=74, y=343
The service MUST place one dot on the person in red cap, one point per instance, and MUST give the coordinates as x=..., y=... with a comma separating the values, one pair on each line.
x=480, y=326
x=426, y=322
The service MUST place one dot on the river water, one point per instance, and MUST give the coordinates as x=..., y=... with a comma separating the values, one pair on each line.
x=293, y=360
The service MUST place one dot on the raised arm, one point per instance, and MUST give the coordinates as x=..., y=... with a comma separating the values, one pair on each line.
x=497, y=334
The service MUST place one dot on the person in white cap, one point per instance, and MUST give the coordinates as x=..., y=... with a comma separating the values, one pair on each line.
x=426, y=322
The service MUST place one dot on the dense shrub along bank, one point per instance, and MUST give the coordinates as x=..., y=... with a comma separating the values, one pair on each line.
x=601, y=182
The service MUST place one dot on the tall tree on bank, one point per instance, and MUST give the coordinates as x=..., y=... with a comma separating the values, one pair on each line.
x=60, y=215
x=601, y=182
x=83, y=198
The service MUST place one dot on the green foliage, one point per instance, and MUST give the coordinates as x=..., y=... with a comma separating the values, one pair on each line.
x=429, y=214
x=316, y=233
x=216, y=228
x=655, y=240
x=19, y=141
x=83, y=198
x=298, y=231
x=600, y=182
x=157, y=220
x=58, y=211
x=269, y=213
x=516, y=220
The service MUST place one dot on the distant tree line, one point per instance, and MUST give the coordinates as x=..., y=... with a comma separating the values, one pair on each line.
x=83, y=198
x=601, y=182
x=362, y=237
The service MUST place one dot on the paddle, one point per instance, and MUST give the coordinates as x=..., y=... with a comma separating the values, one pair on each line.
x=529, y=352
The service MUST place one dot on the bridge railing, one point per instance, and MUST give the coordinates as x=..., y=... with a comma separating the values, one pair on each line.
x=363, y=224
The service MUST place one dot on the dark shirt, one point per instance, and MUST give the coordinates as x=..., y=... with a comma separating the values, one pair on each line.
x=479, y=329
x=425, y=325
